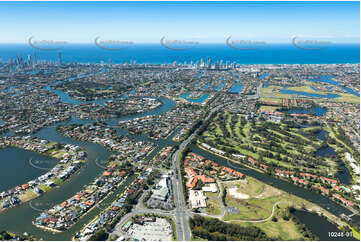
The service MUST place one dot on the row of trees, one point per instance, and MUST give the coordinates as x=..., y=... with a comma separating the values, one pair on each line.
x=302, y=228
x=216, y=230
x=4, y=235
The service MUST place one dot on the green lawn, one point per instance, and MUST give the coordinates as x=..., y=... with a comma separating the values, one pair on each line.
x=290, y=147
x=213, y=207
x=282, y=229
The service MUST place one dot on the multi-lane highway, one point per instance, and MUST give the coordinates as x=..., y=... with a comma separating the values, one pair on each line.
x=181, y=212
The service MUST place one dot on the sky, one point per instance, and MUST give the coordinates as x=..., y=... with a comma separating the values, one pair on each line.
x=205, y=22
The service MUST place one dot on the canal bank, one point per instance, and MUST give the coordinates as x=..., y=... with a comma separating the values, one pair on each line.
x=15, y=162
x=9, y=220
x=311, y=196
x=321, y=227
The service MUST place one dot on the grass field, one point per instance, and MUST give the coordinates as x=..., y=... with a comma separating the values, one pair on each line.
x=282, y=229
x=262, y=198
x=273, y=91
x=27, y=196
x=259, y=203
x=268, y=142
x=268, y=108
x=59, y=154
x=45, y=188
x=213, y=207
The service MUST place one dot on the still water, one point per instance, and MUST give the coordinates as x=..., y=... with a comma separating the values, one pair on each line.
x=9, y=220
x=17, y=168
x=320, y=226
x=311, y=196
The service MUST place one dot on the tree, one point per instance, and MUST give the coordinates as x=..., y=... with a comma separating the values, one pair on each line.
x=99, y=235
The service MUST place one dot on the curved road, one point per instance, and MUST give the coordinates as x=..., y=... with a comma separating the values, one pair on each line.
x=247, y=221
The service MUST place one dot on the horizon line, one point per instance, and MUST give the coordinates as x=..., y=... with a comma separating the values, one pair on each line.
x=199, y=43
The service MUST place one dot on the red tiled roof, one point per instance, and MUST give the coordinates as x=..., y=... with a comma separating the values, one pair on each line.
x=107, y=173
x=253, y=161
x=192, y=182
x=263, y=166
x=322, y=189
x=328, y=179
x=308, y=175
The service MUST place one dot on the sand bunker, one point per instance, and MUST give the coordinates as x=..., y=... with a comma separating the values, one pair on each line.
x=236, y=194
x=269, y=192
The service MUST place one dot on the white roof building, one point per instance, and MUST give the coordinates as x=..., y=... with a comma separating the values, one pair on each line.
x=197, y=199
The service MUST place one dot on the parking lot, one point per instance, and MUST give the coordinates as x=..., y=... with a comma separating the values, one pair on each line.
x=160, y=230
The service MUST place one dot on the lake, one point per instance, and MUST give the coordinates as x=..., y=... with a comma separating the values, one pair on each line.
x=17, y=168
x=320, y=226
x=326, y=151
x=236, y=88
x=318, y=111
x=311, y=196
x=201, y=99
x=309, y=94
x=329, y=80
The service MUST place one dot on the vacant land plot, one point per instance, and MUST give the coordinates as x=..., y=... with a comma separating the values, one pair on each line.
x=283, y=229
x=262, y=200
x=213, y=206
x=253, y=199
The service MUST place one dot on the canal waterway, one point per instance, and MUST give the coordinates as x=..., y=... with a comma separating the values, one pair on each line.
x=200, y=99
x=19, y=166
x=236, y=88
x=319, y=111
x=97, y=154
x=311, y=196
x=320, y=226
x=9, y=220
x=330, y=80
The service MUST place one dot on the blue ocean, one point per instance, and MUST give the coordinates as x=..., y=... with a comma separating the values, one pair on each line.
x=157, y=54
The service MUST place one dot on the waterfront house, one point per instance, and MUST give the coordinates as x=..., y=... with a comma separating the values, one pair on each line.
x=263, y=166
x=343, y=200
x=308, y=176
x=252, y=161
x=328, y=180
x=300, y=181
x=284, y=173
x=323, y=190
